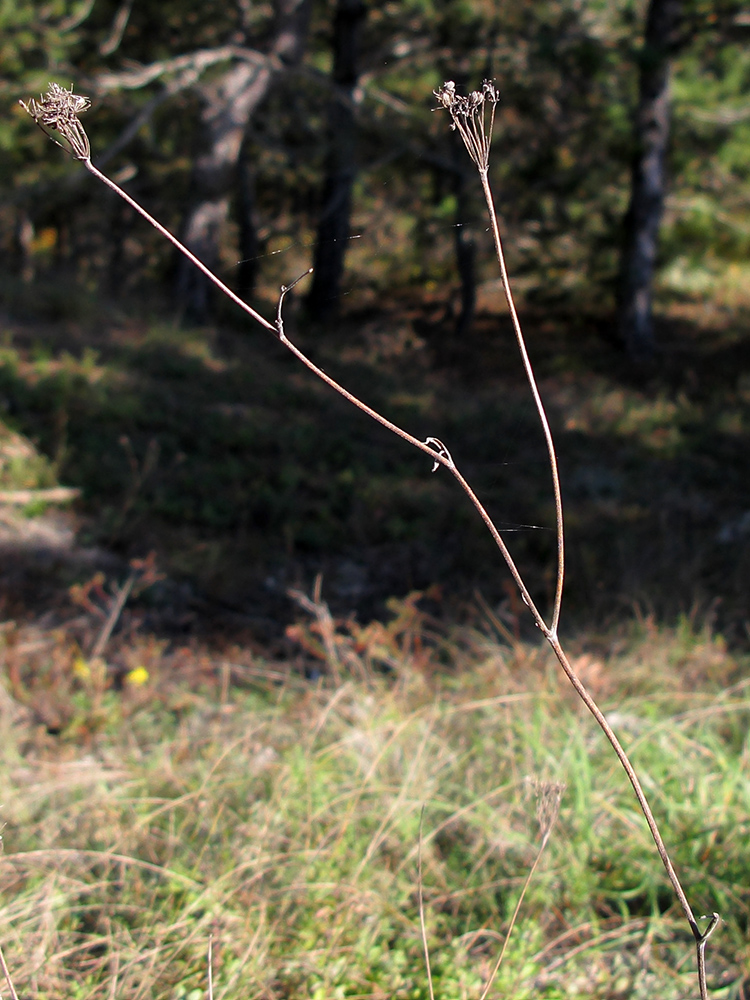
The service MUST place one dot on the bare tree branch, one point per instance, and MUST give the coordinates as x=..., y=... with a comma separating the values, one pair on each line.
x=190, y=63
x=120, y=23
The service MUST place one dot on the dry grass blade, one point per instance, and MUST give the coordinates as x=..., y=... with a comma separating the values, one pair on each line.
x=211, y=967
x=422, y=926
x=549, y=797
x=6, y=973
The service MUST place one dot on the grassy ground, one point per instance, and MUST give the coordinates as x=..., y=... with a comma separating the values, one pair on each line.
x=224, y=797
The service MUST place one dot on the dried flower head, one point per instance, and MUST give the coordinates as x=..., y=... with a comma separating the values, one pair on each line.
x=58, y=110
x=548, y=798
x=469, y=115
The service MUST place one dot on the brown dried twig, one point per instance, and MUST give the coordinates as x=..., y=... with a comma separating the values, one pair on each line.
x=6, y=974
x=549, y=796
x=473, y=117
x=470, y=118
x=422, y=925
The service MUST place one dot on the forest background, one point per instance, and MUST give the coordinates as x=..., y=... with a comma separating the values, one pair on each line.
x=197, y=741
x=276, y=137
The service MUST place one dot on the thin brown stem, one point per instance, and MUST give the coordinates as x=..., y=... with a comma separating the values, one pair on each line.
x=441, y=456
x=6, y=974
x=422, y=925
x=180, y=246
x=549, y=796
x=551, y=631
x=537, y=399
x=591, y=705
x=468, y=116
x=513, y=919
x=116, y=610
x=435, y=450
x=438, y=455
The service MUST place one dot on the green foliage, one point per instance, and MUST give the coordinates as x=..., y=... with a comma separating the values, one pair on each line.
x=567, y=76
x=707, y=220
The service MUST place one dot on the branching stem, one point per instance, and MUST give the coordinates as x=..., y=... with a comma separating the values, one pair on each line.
x=550, y=632
x=57, y=114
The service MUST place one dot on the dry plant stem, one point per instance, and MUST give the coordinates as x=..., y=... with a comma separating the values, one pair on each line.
x=700, y=937
x=180, y=246
x=6, y=973
x=468, y=116
x=275, y=328
x=439, y=456
x=119, y=603
x=537, y=399
x=59, y=111
x=443, y=457
x=516, y=911
x=422, y=926
x=512, y=924
x=550, y=632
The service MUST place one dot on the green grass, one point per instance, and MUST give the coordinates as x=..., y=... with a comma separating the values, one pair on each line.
x=282, y=818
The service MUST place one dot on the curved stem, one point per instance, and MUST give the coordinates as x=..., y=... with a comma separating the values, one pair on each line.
x=6, y=973
x=699, y=937
x=277, y=328
x=537, y=399
x=550, y=632
x=592, y=706
x=439, y=454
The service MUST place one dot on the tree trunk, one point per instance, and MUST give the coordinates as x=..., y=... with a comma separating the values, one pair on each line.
x=228, y=105
x=641, y=224
x=333, y=228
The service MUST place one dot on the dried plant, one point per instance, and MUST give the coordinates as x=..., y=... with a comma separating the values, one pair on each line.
x=6, y=974
x=58, y=111
x=469, y=117
x=473, y=117
x=548, y=799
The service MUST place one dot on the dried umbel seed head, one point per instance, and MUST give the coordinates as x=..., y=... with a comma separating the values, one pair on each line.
x=58, y=110
x=469, y=116
x=446, y=95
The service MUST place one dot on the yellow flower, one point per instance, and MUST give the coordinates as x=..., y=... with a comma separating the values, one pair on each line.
x=81, y=669
x=137, y=677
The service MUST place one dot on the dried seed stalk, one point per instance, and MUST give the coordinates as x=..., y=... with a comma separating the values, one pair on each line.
x=473, y=117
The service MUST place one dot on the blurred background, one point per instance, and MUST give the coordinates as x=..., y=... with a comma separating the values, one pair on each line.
x=140, y=413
